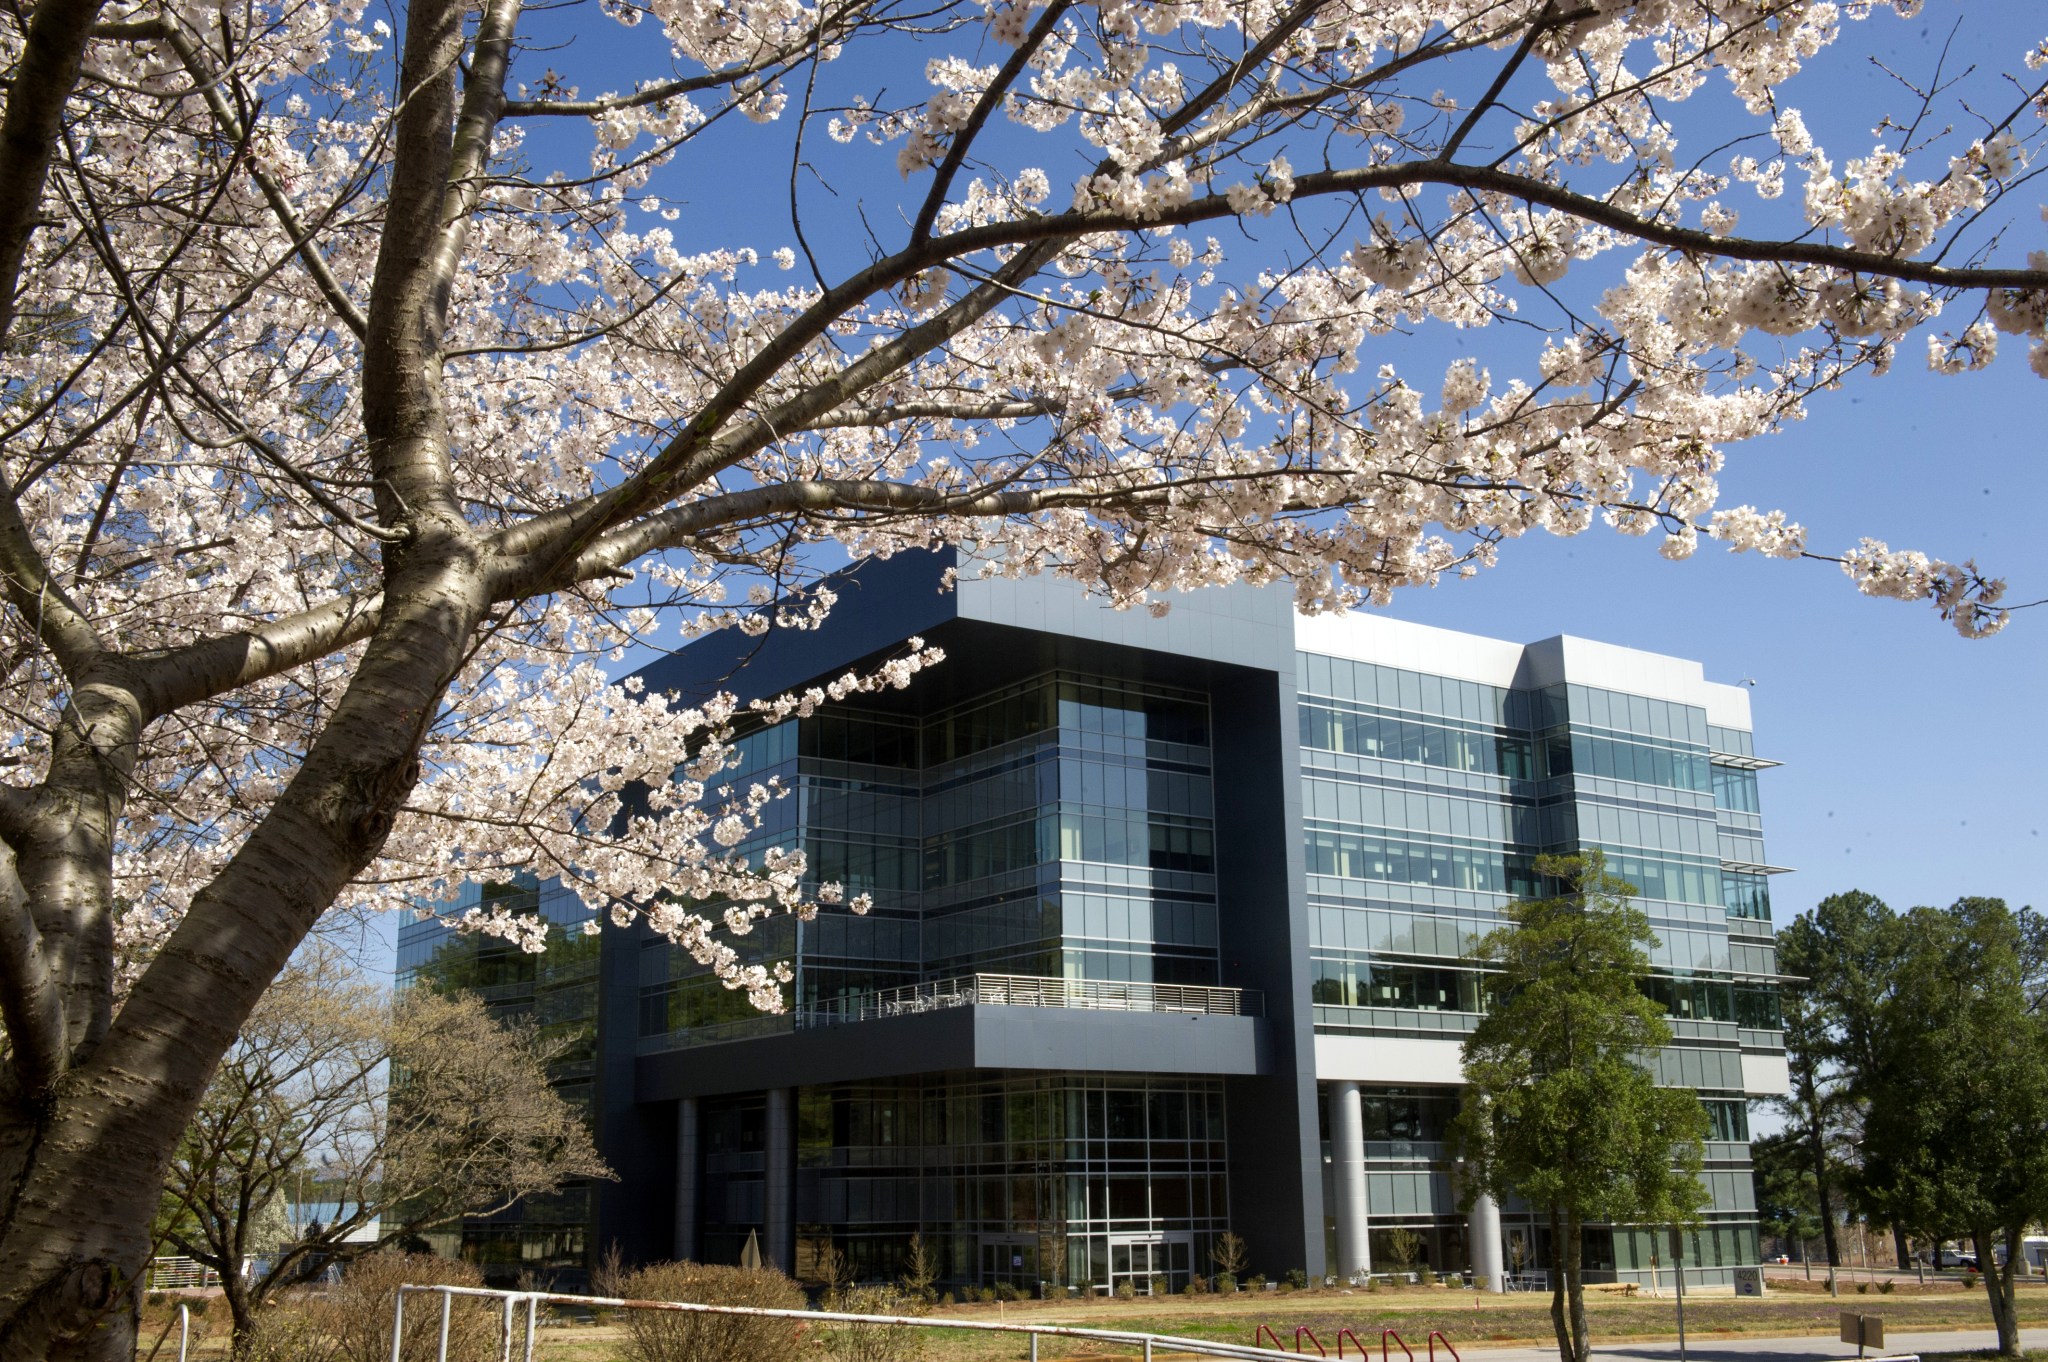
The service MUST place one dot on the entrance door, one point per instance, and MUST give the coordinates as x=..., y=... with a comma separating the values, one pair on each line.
x=1009, y=1258
x=1139, y=1259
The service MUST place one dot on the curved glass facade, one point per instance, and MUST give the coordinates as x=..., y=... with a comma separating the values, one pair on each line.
x=1144, y=890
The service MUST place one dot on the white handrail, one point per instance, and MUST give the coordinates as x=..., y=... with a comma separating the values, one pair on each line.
x=534, y=1299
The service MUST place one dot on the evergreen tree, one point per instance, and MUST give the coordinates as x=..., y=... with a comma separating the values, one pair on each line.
x=1955, y=1085
x=1787, y=1199
x=1562, y=1109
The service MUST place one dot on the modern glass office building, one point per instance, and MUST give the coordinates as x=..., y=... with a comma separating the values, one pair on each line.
x=1171, y=931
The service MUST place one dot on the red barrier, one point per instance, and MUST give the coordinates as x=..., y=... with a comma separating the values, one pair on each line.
x=1386, y=1334
x=1301, y=1329
x=1434, y=1335
x=1343, y=1334
x=1262, y=1329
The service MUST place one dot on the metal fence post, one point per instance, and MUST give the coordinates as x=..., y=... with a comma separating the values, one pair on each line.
x=447, y=1307
x=532, y=1318
x=397, y=1322
x=184, y=1329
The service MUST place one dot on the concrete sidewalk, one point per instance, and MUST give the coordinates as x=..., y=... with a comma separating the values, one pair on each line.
x=1810, y=1349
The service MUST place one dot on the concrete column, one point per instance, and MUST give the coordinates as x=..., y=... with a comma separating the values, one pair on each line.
x=686, y=1180
x=1347, y=1161
x=1482, y=1233
x=778, y=1239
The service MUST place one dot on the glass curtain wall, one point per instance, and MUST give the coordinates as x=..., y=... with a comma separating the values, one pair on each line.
x=1063, y=827
x=1082, y=1180
x=1426, y=800
x=547, y=1236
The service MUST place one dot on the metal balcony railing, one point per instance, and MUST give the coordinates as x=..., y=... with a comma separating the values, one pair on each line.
x=971, y=990
x=1026, y=990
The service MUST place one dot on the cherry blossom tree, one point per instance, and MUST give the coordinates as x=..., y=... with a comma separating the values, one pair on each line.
x=368, y=385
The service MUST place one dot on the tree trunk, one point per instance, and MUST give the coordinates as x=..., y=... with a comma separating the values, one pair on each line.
x=1817, y=1148
x=1902, y=1248
x=81, y=1170
x=1559, y=1320
x=234, y=1289
x=75, y=1244
x=1575, y=1289
x=1998, y=1284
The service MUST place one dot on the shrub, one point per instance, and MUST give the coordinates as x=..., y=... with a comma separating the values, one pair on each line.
x=1372, y=1283
x=1426, y=1275
x=200, y=1304
x=1255, y=1282
x=157, y=1297
x=1885, y=1288
x=1403, y=1249
x=1155, y=1285
x=1229, y=1254
x=674, y=1336
x=351, y=1322
x=874, y=1342
x=1863, y=1288
x=1297, y=1279
x=920, y=1270
x=1226, y=1282
x=292, y=1330
x=947, y=1299
x=1127, y=1290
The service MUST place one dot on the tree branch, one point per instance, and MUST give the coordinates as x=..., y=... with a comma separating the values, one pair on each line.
x=483, y=104
x=208, y=85
x=215, y=666
x=31, y=1005
x=991, y=98
x=835, y=28
x=689, y=456
x=841, y=418
x=404, y=406
x=52, y=616
x=1546, y=19
x=52, y=53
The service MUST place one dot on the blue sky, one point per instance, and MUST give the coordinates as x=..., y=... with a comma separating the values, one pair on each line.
x=1915, y=762
x=1916, y=765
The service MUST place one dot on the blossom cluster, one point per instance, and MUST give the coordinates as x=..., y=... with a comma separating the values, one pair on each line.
x=1120, y=291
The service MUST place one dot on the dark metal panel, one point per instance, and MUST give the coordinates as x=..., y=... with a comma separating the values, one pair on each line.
x=637, y=1139
x=881, y=603
x=1276, y=1199
x=962, y=1038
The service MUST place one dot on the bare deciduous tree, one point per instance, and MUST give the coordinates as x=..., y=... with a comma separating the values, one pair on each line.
x=301, y=1107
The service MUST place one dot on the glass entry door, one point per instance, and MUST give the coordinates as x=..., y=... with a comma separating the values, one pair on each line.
x=1138, y=1259
x=1009, y=1258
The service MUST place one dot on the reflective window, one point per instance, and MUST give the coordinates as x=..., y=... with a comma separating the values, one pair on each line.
x=1735, y=789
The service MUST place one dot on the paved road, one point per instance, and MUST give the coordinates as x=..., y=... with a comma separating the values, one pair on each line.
x=1810, y=1349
